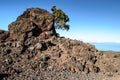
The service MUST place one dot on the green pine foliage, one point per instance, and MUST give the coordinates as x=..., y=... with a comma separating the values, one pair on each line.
x=60, y=19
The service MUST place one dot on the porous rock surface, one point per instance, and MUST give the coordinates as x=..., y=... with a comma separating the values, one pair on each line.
x=32, y=50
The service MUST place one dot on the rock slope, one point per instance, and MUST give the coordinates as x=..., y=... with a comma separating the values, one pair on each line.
x=32, y=50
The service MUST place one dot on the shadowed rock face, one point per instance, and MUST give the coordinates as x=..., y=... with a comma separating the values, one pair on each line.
x=34, y=22
x=3, y=35
x=31, y=49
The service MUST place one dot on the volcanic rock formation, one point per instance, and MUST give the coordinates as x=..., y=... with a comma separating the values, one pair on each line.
x=32, y=23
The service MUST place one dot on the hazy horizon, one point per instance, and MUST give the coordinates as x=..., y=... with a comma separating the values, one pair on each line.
x=90, y=20
x=107, y=46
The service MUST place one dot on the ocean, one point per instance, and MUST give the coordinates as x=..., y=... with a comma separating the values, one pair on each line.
x=107, y=46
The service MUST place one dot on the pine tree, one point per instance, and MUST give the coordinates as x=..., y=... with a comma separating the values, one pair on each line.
x=60, y=19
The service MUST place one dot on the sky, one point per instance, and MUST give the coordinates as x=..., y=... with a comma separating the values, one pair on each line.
x=90, y=20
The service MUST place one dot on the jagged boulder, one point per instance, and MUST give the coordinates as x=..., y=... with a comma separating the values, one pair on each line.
x=34, y=22
x=3, y=35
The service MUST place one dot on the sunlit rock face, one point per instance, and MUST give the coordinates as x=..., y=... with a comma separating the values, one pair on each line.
x=34, y=22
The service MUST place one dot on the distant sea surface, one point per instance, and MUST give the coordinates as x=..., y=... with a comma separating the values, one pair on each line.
x=107, y=46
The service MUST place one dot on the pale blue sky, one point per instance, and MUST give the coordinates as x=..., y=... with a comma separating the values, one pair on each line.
x=90, y=20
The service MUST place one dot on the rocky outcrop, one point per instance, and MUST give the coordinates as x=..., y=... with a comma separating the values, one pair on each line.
x=31, y=49
x=34, y=22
